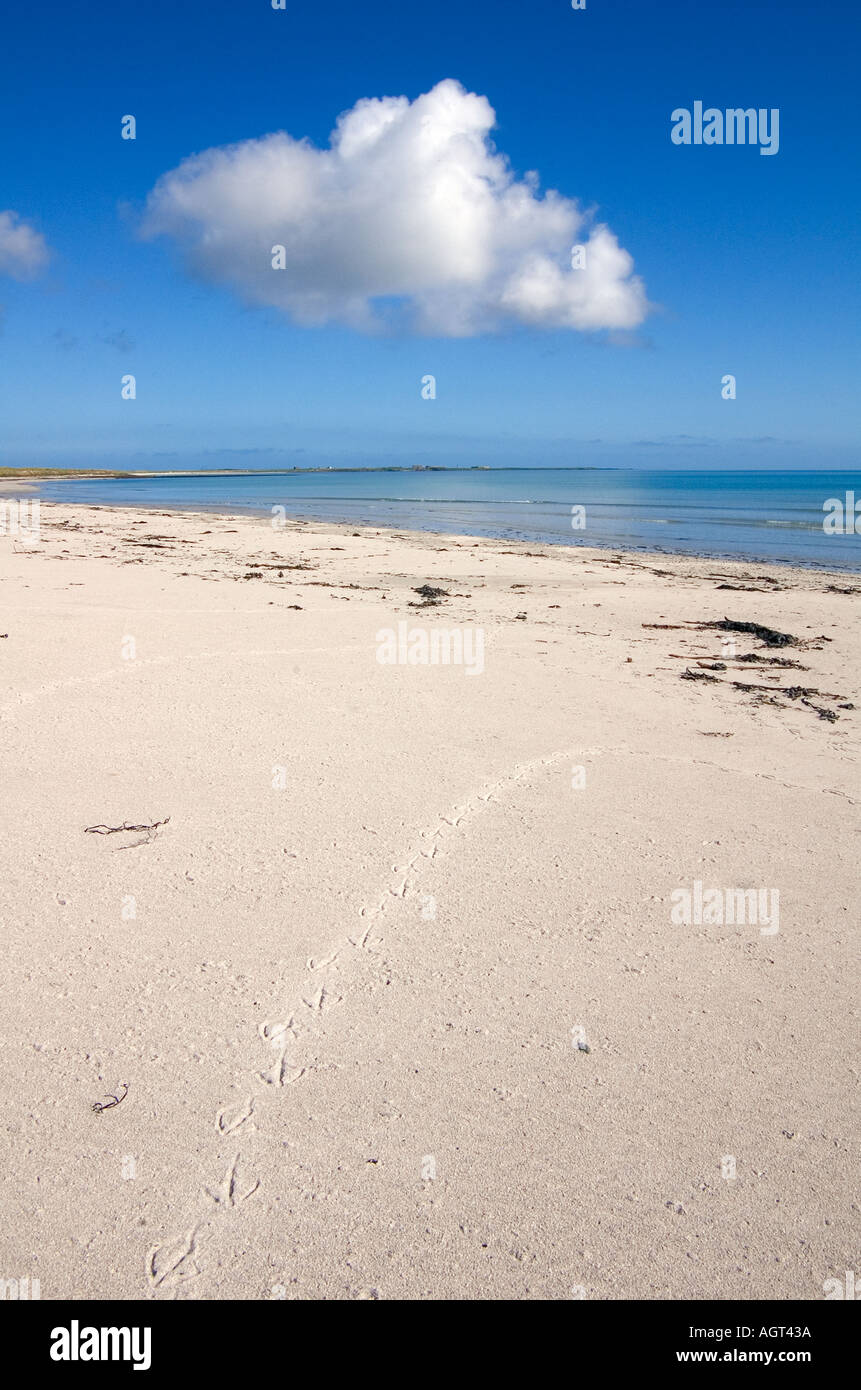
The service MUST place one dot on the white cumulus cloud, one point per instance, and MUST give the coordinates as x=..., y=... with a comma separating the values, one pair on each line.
x=23, y=250
x=410, y=218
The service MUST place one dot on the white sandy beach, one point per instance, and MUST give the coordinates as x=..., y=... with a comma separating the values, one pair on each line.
x=345, y=982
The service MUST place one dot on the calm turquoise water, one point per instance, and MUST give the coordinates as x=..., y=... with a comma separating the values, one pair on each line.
x=755, y=516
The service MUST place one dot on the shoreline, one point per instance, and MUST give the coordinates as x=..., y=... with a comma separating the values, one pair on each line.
x=350, y=528
x=71, y=475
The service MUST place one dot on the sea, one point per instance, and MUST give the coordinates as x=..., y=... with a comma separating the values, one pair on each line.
x=767, y=516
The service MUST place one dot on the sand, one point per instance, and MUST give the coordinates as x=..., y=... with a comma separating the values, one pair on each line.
x=396, y=990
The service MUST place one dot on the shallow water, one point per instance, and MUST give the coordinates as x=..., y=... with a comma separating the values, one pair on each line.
x=770, y=516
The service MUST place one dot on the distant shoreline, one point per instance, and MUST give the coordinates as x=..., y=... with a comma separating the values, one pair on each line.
x=73, y=474
x=9, y=476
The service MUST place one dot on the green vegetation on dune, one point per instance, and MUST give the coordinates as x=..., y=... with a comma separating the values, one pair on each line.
x=63, y=473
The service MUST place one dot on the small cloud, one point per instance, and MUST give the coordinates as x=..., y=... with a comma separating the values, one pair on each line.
x=410, y=219
x=121, y=341
x=23, y=251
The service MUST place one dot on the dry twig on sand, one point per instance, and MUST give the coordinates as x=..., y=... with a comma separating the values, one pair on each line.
x=112, y=1102
x=116, y=829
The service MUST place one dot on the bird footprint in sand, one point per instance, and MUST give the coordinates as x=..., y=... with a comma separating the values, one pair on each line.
x=173, y=1263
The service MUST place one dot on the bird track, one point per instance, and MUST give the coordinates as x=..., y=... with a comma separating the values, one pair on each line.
x=172, y=1264
x=316, y=1000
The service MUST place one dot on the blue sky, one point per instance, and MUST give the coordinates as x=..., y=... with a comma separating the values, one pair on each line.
x=750, y=263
